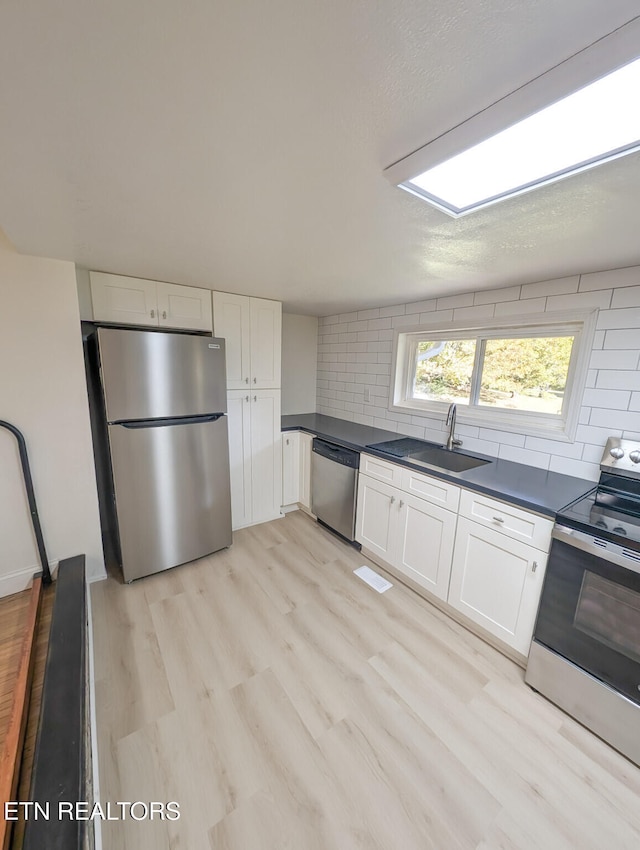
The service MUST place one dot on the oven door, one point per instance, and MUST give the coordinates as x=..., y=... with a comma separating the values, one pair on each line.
x=590, y=608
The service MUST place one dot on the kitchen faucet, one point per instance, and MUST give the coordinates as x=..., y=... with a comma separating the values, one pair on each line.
x=452, y=442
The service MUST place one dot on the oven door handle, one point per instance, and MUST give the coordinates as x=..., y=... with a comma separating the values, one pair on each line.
x=608, y=551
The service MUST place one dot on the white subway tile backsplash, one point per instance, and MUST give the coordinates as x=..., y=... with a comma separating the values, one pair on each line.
x=503, y=437
x=355, y=351
x=421, y=306
x=558, y=286
x=612, y=279
x=481, y=311
x=396, y=310
x=615, y=420
x=537, y=459
x=580, y=301
x=453, y=301
x=610, y=379
x=612, y=399
x=439, y=317
x=558, y=447
x=577, y=468
x=369, y=314
x=494, y=296
x=521, y=308
x=592, y=454
x=628, y=297
x=614, y=359
x=629, y=339
x=627, y=318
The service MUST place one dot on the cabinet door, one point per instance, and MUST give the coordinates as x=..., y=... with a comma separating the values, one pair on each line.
x=231, y=320
x=496, y=582
x=290, y=467
x=425, y=544
x=377, y=517
x=306, y=443
x=266, y=343
x=123, y=300
x=239, y=421
x=184, y=307
x=266, y=459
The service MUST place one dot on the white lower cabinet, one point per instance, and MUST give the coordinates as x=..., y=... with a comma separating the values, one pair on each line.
x=296, y=469
x=290, y=467
x=408, y=533
x=488, y=562
x=254, y=456
x=306, y=444
x=496, y=582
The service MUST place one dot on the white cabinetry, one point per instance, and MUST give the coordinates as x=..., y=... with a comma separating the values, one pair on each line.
x=252, y=328
x=306, y=444
x=130, y=300
x=296, y=469
x=496, y=578
x=290, y=467
x=411, y=534
x=488, y=563
x=254, y=456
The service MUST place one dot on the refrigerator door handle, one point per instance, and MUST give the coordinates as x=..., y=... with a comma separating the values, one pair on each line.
x=162, y=423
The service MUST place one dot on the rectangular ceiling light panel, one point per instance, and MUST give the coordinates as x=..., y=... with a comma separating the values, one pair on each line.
x=595, y=124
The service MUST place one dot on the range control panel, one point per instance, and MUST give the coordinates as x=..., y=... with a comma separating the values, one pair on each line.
x=621, y=457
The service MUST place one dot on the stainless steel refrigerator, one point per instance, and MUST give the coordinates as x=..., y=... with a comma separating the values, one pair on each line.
x=165, y=406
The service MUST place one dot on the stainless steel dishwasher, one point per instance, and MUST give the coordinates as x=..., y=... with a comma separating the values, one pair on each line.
x=334, y=485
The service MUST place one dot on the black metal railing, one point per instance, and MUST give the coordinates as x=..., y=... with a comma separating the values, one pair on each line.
x=28, y=483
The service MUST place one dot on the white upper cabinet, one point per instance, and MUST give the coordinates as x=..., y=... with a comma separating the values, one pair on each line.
x=124, y=300
x=135, y=301
x=252, y=328
x=231, y=320
x=184, y=307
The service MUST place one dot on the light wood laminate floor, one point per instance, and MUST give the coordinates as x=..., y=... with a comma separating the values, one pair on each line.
x=285, y=704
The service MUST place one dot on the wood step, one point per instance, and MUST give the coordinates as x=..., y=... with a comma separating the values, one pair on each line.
x=18, y=621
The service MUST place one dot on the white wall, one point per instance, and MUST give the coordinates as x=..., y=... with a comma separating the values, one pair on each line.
x=354, y=352
x=299, y=363
x=43, y=392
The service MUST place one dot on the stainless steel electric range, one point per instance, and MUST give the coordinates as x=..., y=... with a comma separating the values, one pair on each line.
x=585, y=655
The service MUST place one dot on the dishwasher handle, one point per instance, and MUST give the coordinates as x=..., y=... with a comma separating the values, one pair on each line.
x=339, y=454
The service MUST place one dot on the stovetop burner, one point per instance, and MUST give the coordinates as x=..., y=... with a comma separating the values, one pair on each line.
x=612, y=509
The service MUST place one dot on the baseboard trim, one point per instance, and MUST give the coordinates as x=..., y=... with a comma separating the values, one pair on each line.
x=17, y=581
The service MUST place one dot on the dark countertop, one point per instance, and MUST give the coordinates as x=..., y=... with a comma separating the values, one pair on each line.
x=536, y=489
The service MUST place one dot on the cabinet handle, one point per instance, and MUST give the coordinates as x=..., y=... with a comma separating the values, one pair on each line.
x=287, y=442
x=164, y=314
x=392, y=500
x=153, y=314
x=498, y=518
x=255, y=398
x=534, y=566
x=401, y=503
x=246, y=398
x=255, y=380
x=246, y=380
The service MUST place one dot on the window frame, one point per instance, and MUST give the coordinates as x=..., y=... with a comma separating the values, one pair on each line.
x=581, y=325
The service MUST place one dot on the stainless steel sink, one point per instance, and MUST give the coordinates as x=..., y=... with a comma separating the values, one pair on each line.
x=429, y=454
x=445, y=459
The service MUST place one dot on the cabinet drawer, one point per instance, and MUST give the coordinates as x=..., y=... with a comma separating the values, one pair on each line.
x=432, y=489
x=381, y=470
x=507, y=519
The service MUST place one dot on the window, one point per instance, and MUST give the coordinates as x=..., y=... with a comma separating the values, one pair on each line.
x=515, y=377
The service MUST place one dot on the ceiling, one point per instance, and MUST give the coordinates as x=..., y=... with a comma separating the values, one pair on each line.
x=240, y=145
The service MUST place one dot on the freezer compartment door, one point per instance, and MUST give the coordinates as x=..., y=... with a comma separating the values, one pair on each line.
x=172, y=493
x=153, y=375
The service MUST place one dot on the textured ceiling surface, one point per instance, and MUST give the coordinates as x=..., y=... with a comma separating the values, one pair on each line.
x=240, y=145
